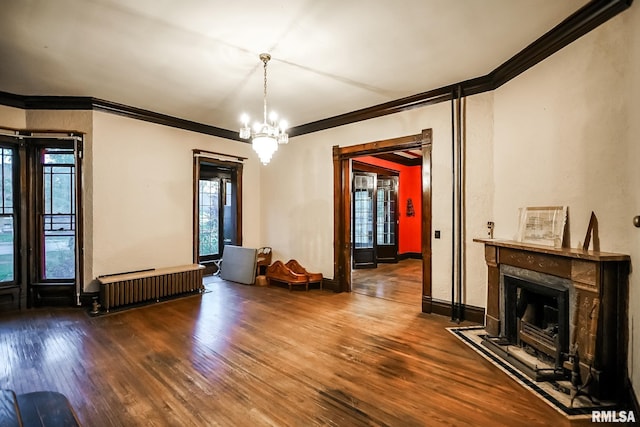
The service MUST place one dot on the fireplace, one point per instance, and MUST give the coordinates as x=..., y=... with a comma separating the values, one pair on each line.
x=559, y=315
x=535, y=322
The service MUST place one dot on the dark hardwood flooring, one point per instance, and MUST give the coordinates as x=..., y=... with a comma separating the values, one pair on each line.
x=257, y=356
x=401, y=282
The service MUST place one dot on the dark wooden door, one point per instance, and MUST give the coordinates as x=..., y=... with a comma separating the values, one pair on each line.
x=386, y=223
x=364, y=218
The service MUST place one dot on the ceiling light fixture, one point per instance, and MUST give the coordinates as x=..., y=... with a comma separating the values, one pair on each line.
x=265, y=136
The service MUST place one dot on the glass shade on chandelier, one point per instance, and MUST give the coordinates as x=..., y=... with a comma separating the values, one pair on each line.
x=265, y=136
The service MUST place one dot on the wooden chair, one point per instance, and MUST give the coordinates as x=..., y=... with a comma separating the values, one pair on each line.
x=281, y=273
x=295, y=266
x=263, y=260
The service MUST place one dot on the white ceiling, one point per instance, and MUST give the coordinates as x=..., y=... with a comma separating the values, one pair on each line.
x=198, y=59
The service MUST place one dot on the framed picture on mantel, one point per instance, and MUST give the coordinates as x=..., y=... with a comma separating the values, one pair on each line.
x=542, y=225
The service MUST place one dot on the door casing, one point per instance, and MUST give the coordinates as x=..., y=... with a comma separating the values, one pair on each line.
x=342, y=160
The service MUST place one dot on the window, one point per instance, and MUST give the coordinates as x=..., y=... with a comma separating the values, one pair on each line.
x=7, y=218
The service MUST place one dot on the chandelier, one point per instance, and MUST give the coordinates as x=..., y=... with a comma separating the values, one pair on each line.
x=265, y=136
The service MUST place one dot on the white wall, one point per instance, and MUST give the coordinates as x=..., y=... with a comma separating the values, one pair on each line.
x=297, y=197
x=559, y=139
x=14, y=118
x=142, y=210
x=478, y=165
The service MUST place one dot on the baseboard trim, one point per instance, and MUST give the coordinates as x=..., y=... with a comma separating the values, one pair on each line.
x=330, y=284
x=427, y=304
x=471, y=313
x=410, y=255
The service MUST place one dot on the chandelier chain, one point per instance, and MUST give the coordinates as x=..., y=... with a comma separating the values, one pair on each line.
x=265, y=90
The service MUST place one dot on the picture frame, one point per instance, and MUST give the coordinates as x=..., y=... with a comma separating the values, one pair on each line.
x=543, y=225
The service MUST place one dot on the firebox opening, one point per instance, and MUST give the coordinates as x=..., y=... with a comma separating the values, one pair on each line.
x=535, y=332
x=537, y=324
x=537, y=319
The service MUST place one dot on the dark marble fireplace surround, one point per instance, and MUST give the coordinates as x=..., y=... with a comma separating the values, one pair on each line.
x=587, y=290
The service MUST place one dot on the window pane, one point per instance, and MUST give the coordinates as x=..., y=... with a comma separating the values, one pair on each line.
x=58, y=156
x=59, y=256
x=228, y=193
x=6, y=249
x=209, y=197
x=228, y=215
x=58, y=219
x=363, y=211
x=6, y=156
x=386, y=212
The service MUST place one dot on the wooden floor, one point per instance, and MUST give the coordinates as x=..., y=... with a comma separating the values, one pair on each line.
x=256, y=356
x=400, y=282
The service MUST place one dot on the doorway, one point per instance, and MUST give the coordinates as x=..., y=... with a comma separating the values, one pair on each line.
x=217, y=209
x=343, y=158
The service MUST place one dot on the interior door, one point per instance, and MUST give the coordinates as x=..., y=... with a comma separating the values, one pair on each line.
x=387, y=219
x=364, y=217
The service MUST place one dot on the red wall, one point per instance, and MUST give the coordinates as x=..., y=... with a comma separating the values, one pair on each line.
x=409, y=187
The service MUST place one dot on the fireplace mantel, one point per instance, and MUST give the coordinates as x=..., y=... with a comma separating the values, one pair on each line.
x=599, y=282
x=563, y=252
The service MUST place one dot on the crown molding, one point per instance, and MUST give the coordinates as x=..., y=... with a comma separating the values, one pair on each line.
x=12, y=100
x=95, y=104
x=575, y=26
x=163, y=119
x=585, y=19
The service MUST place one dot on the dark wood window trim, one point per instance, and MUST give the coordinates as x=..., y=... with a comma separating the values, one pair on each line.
x=342, y=166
